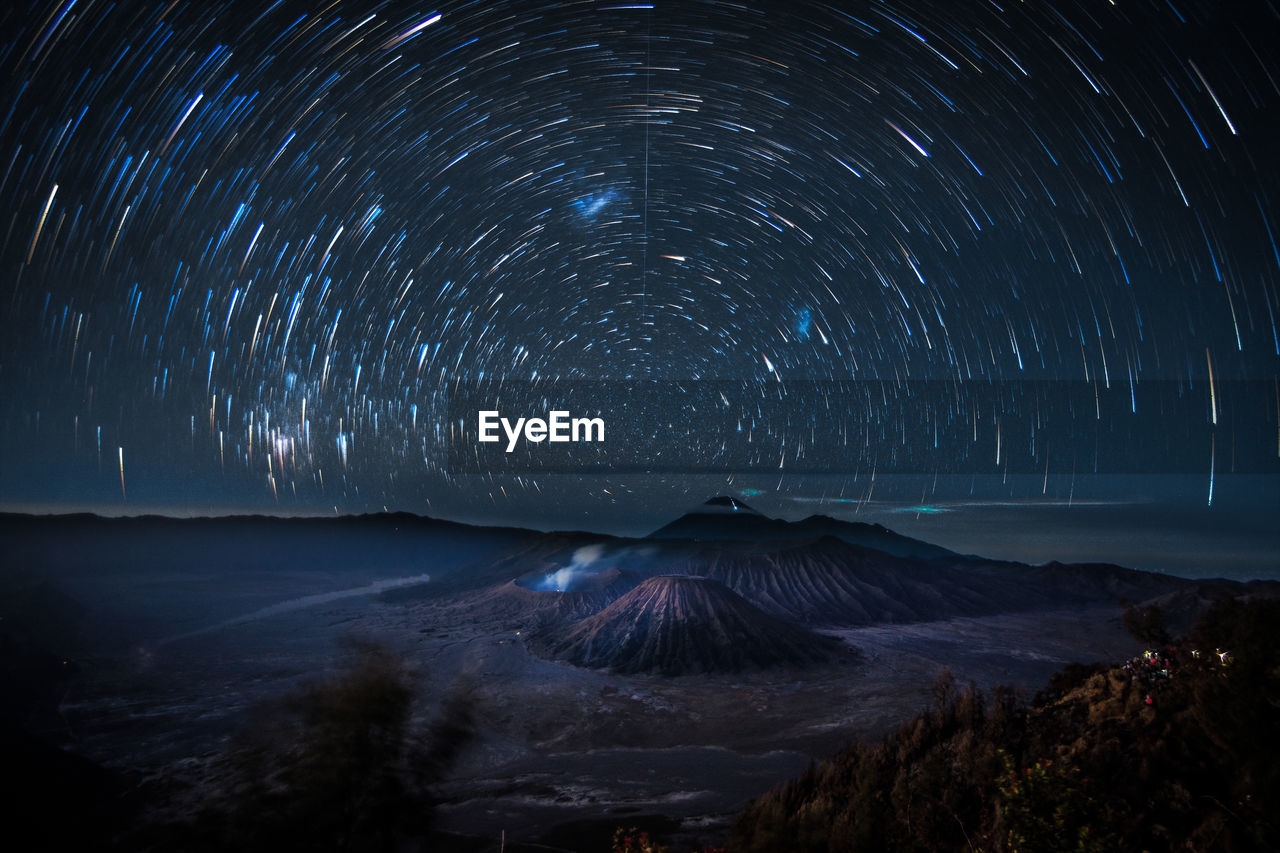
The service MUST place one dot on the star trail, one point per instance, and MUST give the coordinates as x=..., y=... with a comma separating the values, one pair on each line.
x=256, y=253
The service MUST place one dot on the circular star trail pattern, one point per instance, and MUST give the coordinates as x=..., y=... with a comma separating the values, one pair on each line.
x=269, y=238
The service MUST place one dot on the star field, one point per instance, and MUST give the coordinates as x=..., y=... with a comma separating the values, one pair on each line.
x=255, y=249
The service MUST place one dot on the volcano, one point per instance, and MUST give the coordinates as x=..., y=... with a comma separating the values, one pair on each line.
x=727, y=518
x=680, y=625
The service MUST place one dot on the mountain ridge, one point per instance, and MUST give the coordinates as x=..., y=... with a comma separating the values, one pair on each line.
x=730, y=519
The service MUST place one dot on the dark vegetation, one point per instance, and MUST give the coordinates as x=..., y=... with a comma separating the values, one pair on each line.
x=46, y=793
x=1178, y=749
x=342, y=764
x=337, y=765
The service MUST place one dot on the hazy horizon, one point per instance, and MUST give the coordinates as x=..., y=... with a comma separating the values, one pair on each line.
x=1105, y=522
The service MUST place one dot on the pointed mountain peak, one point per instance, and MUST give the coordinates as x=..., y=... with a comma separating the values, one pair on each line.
x=725, y=503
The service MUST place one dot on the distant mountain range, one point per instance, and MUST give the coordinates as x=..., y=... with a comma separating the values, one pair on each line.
x=720, y=588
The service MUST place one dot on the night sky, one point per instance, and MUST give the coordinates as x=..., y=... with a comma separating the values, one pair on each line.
x=271, y=256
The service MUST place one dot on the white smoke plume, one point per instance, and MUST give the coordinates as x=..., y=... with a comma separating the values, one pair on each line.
x=578, y=568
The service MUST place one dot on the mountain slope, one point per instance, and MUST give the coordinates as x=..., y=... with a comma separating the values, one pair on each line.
x=1175, y=753
x=676, y=625
x=831, y=582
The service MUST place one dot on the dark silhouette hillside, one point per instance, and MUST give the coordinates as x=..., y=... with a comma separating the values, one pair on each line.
x=1178, y=749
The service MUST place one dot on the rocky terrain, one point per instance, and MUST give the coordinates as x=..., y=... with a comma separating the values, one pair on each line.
x=607, y=678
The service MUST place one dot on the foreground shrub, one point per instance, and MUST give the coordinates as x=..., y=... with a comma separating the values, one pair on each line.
x=1178, y=749
x=334, y=765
